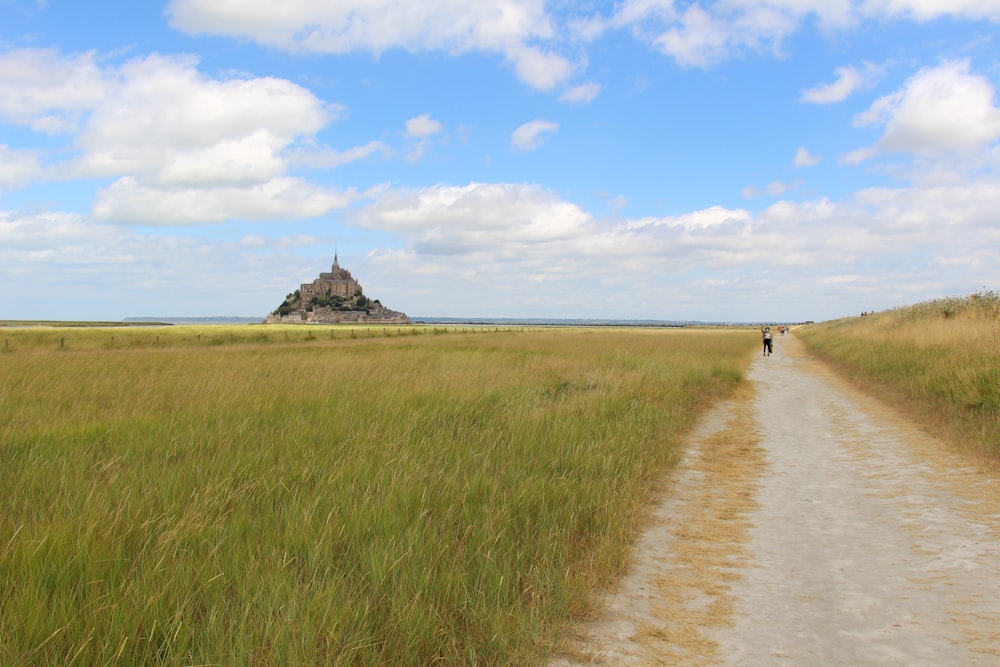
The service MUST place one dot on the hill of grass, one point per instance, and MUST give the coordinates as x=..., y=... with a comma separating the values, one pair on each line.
x=938, y=361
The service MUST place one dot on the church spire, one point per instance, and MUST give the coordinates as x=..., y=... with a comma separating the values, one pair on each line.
x=336, y=264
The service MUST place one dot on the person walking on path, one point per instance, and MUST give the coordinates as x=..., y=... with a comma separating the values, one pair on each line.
x=766, y=333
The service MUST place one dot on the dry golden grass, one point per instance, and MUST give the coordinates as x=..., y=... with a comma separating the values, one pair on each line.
x=710, y=541
x=703, y=551
x=938, y=361
x=224, y=496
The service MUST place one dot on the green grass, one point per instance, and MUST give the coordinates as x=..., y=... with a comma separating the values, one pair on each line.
x=89, y=336
x=393, y=499
x=72, y=324
x=939, y=361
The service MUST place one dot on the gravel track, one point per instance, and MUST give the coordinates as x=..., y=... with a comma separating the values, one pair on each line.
x=842, y=536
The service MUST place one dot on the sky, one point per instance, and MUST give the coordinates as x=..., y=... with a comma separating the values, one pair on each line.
x=710, y=160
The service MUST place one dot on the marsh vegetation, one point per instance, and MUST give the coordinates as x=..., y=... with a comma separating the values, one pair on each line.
x=241, y=495
x=939, y=361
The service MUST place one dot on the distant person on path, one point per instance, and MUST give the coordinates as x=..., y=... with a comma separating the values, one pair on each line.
x=766, y=333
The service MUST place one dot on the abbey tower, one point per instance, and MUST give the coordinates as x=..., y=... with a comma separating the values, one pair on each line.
x=338, y=282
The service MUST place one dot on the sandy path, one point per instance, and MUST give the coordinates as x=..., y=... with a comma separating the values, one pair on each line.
x=842, y=536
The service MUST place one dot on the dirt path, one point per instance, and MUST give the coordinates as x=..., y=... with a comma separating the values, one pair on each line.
x=809, y=525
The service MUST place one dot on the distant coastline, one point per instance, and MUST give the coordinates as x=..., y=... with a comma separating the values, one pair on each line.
x=195, y=320
x=471, y=321
x=552, y=321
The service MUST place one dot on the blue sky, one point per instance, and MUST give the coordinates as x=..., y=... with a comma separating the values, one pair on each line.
x=659, y=159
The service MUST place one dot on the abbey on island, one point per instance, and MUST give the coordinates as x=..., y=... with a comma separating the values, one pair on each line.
x=333, y=298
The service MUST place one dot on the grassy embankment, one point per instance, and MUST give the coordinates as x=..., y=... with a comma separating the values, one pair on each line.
x=938, y=361
x=190, y=497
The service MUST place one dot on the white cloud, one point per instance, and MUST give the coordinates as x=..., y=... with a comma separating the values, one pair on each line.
x=582, y=94
x=41, y=87
x=168, y=122
x=422, y=126
x=701, y=39
x=185, y=148
x=18, y=167
x=803, y=158
x=531, y=135
x=940, y=111
x=476, y=217
x=521, y=250
x=132, y=201
x=703, y=34
x=512, y=241
x=81, y=269
x=36, y=233
x=629, y=13
x=858, y=155
x=512, y=28
x=327, y=158
x=773, y=189
x=849, y=80
x=778, y=188
x=539, y=69
x=926, y=10
x=712, y=217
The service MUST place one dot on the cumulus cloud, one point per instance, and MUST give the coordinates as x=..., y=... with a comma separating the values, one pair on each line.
x=532, y=135
x=528, y=34
x=476, y=215
x=523, y=250
x=700, y=39
x=168, y=122
x=76, y=264
x=130, y=200
x=803, y=158
x=514, y=241
x=41, y=232
x=18, y=167
x=328, y=158
x=539, y=69
x=939, y=111
x=582, y=94
x=857, y=156
x=849, y=80
x=773, y=189
x=513, y=28
x=422, y=126
x=420, y=129
x=49, y=91
x=201, y=149
x=926, y=10
x=712, y=217
x=703, y=34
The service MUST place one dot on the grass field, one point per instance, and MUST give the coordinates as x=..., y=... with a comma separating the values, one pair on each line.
x=939, y=361
x=310, y=496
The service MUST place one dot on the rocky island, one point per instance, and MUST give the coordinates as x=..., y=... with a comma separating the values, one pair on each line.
x=333, y=298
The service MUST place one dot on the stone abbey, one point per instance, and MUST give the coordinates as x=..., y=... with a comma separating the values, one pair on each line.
x=333, y=298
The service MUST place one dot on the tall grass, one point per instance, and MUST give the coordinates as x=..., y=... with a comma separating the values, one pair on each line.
x=17, y=337
x=394, y=500
x=939, y=361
